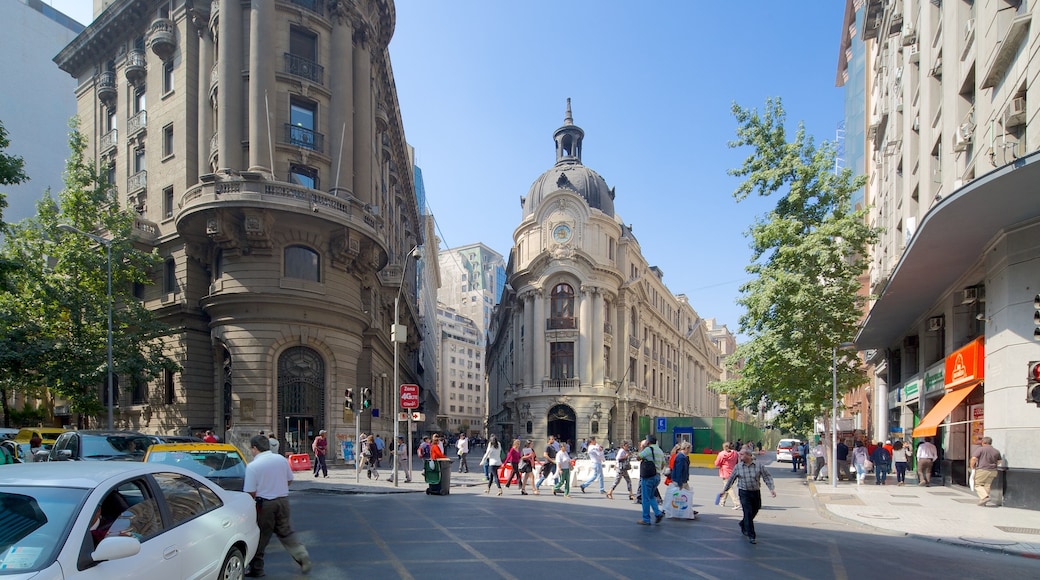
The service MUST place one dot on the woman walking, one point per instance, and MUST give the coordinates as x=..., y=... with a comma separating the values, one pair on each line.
x=901, y=457
x=859, y=461
x=369, y=454
x=528, y=459
x=563, y=468
x=726, y=460
x=624, y=457
x=513, y=460
x=493, y=459
x=882, y=463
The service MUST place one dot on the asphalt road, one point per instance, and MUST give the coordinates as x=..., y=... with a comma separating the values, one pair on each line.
x=472, y=535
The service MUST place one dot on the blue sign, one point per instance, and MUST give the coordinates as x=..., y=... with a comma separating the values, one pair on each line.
x=375, y=412
x=662, y=424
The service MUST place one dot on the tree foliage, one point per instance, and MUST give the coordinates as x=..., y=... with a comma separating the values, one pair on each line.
x=55, y=315
x=808, y=253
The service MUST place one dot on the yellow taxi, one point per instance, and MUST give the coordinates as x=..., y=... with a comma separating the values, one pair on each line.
x=221, y=463
x=47, y=434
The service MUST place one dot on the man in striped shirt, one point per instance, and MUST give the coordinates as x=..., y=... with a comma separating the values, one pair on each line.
x=748, y=476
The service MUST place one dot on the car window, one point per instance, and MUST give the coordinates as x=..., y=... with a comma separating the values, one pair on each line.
x=105, y=447
x=33, y=524
x=207, y=463
x=187, y=498
x=128, y=510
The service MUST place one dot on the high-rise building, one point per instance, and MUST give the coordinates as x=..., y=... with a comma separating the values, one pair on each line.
x=953, y=172
x=262, y=146
x=463, y=386
x=587, y=340
x=472, y=279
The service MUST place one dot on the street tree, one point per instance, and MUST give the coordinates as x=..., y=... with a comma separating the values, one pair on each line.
x=808, y=253
x=60, y=295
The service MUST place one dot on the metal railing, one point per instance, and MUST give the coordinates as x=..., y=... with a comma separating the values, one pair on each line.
x=137, y=123
x=561, y=323
x=137, y=182
x=316, y=6
x=304, y=137
x=305, y=68
x=109, y=141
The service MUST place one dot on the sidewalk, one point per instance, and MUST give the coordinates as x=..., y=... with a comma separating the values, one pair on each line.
x=942, y=514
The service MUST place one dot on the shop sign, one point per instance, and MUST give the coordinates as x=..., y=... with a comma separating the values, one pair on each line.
x=966, y=366
x=934, y=378
x=912, y=390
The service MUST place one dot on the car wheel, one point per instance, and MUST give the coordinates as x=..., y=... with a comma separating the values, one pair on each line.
x=234, y=567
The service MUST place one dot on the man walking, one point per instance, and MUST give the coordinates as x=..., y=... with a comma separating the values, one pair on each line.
x=380, y=446
x=549, y=466
x=272, y=442
x=320, y=446
x=401, y=459
x=984, y=461
x=596, y=455
x=651, y=462
x=926, y=456
x=748, y=476
x=463, y=451
x=819, y=459
x=843, y=460
x=267, y=479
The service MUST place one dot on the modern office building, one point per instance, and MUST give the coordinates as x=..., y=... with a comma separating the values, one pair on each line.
x=954, y=178
x=463, y=383
x=262, y=147
x=587, y=340
x=472, y=279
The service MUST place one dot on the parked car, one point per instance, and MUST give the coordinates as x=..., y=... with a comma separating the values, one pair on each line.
x=787, y=449
x=90, y=445
x=19, y=451
x=7, y=433
x=221, y=463
x=107, y=521
x=47, y=434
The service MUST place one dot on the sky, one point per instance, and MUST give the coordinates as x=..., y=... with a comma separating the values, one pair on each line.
x=482, y=86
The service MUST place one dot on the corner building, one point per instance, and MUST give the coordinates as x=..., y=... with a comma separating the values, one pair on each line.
x=587, y=340
x=262, y=146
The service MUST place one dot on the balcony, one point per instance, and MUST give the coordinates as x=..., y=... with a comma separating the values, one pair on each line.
x=315, y=6
x=304, y=68
x=136, y=124
x=559, y=384
x=304, y=137
x=135, y=66
x=633, y=341
x=137, y=182
x=162, y=38
x=109, y=141
x=106, y=88
x=561, y=323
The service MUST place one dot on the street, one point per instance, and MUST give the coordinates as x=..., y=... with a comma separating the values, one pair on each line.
x=472, y=535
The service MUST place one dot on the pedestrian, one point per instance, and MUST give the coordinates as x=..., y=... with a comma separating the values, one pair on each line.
x=597, y=457
x=749, y=476
x=651, y=463
x=926, y=456
x=272, y=440
x=528, y=459
x=437, y=448
x=210, y=437
x=859, y=461
x=35, y=443
x=320, y=446
x=563, y=472
x=513, y=461
x=759, y=445
x=380, y=447
x=493, y=459
x=585, y=444
x=368, y=454
x=725, y=461
x=423, y=452
x=400, y=453
x=882, y=463
x=463, y=451
x=900, y=456
x=843, y=460
x=549, y=466
x=803, y=451
x=819, y=455
x=623, y=459
x=670, y=465
x=984, y=461
x=267, y=479
x=681, y=466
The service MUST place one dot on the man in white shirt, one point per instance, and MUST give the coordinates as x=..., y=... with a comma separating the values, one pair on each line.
x=596, y=455
x=819, y=459
x=463, y=451
x=926, y=456
x=267, y=479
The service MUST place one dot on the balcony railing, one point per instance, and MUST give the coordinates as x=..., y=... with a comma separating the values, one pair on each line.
x=316, y=6
x=137, y=182
x=106, y=88
x=607, y=328
x=561, y=323
x=136, y=66
x=303, y=137
x=633, y=341
x=109, y=141
x=559, y=384
x=306, y=68
x=137, y=123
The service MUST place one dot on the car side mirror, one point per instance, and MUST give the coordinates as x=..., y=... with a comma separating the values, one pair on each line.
x=65, y=455
x=116, y=548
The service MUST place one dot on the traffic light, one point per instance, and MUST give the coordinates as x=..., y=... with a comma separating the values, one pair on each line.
x=1033, y=383
x=1036, y=317
x=366, y=398
x=348, y=401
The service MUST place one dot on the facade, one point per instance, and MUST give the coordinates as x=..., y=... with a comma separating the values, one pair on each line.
x=429, y=280
x=463, y=385
x=37, y=121
x=262, y=146
x=587, y=340
x=953, y=171
x=472, y=279
x=726, y=343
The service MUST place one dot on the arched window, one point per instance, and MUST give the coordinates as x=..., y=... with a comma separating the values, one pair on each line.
x=562, y=307
x=303, y=263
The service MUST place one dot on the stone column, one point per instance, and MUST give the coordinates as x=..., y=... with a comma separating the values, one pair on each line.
x=516, y=360
x=341, y=118
x=526, y=351
x=583, y=364
x=364, y=126
x=881, y=408
x=597, y=338
x=538, y=339
x=229, y=93
x=261, y=86
x=205, y=108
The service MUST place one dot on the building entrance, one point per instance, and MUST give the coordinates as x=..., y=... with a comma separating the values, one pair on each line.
x=562, y=424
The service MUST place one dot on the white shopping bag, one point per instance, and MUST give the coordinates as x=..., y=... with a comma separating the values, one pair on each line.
x=678, y=503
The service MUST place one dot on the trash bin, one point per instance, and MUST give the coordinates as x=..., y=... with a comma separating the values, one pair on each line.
x=437, y=474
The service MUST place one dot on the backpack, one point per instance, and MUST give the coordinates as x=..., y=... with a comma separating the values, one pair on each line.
x=424, y=450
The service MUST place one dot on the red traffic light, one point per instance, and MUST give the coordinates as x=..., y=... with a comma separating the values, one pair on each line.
x=1034, y=371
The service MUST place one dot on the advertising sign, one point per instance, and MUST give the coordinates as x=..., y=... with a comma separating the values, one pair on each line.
x=409, y=396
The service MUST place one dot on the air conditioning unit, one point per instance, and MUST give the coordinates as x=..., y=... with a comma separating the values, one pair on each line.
x=914, y=52
x=909, y=34
x=970, y=295
x=1015, y=113
x=935, y=323
x=963, y=137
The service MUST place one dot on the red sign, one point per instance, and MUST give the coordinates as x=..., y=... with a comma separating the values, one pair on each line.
x=409, y=396
x=967, y=365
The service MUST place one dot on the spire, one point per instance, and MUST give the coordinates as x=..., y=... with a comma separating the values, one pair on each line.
x=568, y=139
x=569, y=118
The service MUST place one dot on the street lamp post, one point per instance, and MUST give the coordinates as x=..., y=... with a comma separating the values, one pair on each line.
x=108, y=249
x=834, y=413
x=398, y=334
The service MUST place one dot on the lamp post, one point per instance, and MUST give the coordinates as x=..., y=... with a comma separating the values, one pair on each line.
x=398, y=334
x=108, y=248
x=834, y=413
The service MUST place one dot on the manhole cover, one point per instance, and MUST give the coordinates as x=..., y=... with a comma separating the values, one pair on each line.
x=1011, y=530
x=989, y=541
x=879, y=517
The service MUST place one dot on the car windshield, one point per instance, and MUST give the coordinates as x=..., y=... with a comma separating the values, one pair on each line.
x=207, y=463
x=33, y=524
x=104, y=447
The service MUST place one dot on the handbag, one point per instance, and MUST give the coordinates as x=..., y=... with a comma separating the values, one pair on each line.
x=868, y=464
x=647, y=469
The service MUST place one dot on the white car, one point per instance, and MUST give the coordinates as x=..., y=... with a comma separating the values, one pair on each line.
x=111, y=520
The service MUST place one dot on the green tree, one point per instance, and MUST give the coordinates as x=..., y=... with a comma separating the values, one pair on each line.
x=808, y=253
x=60, y=295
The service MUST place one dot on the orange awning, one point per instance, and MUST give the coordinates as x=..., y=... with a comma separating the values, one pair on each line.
x=942, y=410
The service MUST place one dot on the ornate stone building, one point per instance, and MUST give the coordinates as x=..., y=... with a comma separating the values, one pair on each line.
x=587, y=340
x=262, y=146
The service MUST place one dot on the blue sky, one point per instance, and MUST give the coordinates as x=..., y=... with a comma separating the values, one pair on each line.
x=483, y=85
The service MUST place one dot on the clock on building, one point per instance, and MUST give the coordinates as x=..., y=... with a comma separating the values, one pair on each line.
x=562, y=234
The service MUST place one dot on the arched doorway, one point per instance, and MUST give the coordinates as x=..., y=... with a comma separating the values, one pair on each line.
x=301, y=398
x=633, y=428
x=562, y=423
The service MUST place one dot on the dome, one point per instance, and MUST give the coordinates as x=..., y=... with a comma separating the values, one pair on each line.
x=569, y=174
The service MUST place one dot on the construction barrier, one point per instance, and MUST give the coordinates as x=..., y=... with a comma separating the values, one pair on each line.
x=301, y=462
